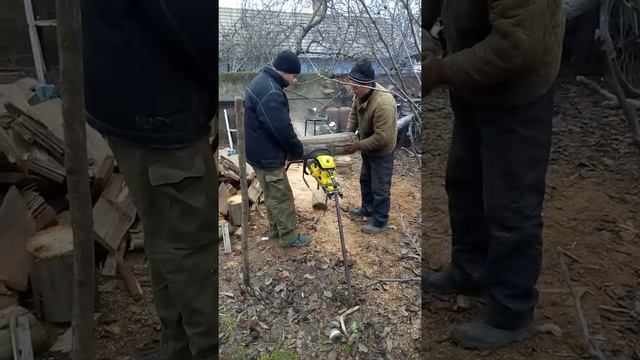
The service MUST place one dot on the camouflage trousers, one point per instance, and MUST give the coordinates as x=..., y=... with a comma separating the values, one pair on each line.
x=278, y=199
x=175, y=191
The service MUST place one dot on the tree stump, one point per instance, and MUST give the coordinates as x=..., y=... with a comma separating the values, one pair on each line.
x=235, y=209
x=52, y=273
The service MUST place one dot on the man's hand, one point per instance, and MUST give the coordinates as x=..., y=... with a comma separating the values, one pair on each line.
x=353, y=147
x=431, y=73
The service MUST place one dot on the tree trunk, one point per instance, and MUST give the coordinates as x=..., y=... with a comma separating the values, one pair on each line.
x=335, y=142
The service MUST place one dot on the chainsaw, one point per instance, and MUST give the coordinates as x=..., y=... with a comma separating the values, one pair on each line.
x=320, y=165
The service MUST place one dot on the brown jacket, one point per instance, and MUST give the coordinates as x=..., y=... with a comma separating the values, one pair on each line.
x=376, y=121
x=500, y=51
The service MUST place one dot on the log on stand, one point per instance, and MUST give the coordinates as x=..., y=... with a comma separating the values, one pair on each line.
x=336, y=143
x=52, y=273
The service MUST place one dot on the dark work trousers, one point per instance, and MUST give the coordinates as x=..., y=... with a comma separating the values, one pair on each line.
x=496, y=183
x=375, y=187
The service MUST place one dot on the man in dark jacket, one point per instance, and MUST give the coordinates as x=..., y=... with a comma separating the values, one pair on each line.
x=373, y=115
x=150, y=85
x=504, y=56
x=270, y=141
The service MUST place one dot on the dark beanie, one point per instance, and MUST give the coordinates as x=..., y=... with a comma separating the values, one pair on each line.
x=287, y=62
x=362, y=72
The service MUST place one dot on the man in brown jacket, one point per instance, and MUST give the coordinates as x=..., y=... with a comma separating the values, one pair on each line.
x=373, y=114
x=503, y=57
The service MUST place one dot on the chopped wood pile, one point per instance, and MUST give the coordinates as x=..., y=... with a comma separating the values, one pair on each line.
x=36, y=242
x=229, y=198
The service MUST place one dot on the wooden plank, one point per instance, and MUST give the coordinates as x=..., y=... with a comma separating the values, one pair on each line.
x=21, y=338
x=50, y=114
x=231, y=163
x=17, y=227
x=113, y=213
x=11, y=93
x=63, y=342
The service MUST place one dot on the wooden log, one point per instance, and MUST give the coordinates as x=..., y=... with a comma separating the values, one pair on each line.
x=52, y=273
x=235, y=209
x=335, y=142
x=110, y=267
x=225, y=191
x=319, y=200
x=255, y=190
x=17, y=227
x=130, y=282
x=37, y=332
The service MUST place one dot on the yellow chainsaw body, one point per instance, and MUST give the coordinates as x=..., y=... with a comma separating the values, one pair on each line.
x=322, y=169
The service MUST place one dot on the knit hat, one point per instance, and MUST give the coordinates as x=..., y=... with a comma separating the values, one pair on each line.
x=362, y=72
x=287, y=62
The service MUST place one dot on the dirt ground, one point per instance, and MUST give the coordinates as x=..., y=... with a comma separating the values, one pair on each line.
x=303, y=291
x=590, y=214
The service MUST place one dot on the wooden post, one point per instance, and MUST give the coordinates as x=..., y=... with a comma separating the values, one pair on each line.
x=244, y=190
x=76, y=166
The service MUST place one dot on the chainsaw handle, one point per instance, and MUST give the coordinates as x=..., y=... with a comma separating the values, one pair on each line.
x=286, y=168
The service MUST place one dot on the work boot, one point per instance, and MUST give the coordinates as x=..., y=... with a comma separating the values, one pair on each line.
x=359, y=213
x=372, y=229
x=448, y=283
x=479, y=335
x=300, y=240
